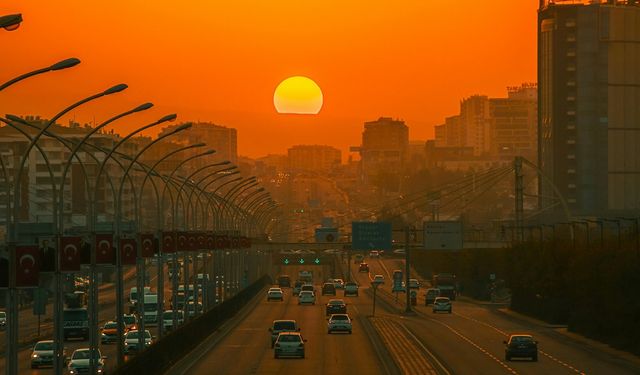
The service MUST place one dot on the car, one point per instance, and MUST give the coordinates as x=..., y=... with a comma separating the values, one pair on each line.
x=296, y=287
x=363, y=267
x=521, y=346
x=374, y=254
x=289, y=344
x=350, y=289
x=279, y=326
x=275, y=294
x=307, y=297
x=338, y=283
x=414, y=284
x=167, y=319
x=79, y=362
x=42, y=354
x=378, y=279
x=131, y=345
x=430, y=296
x=3, y=320
x=133, y=297
x=399, y=251
x=109, y=332
x=442, y=304
x=336, y=306
x=328, y=289
x=191, y=308
x=284, y=281
x=307, y=288
x=399, y=288
x=339, y=322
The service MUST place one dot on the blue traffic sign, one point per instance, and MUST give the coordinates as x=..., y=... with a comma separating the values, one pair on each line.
x=369, y=235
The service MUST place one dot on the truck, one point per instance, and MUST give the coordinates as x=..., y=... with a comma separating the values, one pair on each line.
x=150, y=309
x=446, y=283
x=75, y=323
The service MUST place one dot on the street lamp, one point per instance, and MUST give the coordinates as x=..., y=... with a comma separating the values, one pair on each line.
x=64, y=64
x=11, y=22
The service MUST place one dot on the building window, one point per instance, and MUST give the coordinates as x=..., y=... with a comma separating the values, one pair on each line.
x=571, y=200
x=571, y=38
x=571, y=68
x=570, y=22
x=571, y=127
x=571, y=83
x=571, y=113
x=571, y=171
x=571, y=53
x=571, y=98
x=571, y=156
x=571, y=141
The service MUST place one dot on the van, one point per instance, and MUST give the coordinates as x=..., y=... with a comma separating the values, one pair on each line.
x=150, y=309
x=133, y=297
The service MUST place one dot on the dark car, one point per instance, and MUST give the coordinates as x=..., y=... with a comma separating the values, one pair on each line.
x=364, y=267
x=328, y=288
x=284, y=281
x=521, y=346
x=336, y=306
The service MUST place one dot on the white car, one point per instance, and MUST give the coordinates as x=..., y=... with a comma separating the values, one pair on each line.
x=167, y=319
x=275, y=294
x=131, y=341
x=289, y=344
x=307, y=296
x=442, y=304
x=378, y=279
x=339, y=322
x=42, y=354
x=374, y=254
x=80, y=361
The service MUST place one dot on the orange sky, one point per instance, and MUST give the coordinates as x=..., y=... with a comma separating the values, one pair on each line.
x=220, y=61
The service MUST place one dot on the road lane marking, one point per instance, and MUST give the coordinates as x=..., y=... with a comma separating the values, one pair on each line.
x=443, y=369
x=507, y=335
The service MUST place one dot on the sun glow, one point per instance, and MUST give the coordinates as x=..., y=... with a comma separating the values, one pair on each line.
x=298, y=95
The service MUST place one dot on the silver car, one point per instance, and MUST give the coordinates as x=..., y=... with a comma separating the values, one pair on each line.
x=80, y=362
x=131, y=341
x=339, y=323
x=289, y=344
x=442, y=304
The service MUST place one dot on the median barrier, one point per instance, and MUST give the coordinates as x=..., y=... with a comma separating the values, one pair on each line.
x=160, y=356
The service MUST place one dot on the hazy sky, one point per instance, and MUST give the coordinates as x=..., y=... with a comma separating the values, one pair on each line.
x=221, y=61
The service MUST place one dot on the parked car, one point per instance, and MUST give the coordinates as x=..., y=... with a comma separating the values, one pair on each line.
x=339, y=322
x=363, y=267
x=131, y=343
x=275, y=294
x=521, y=346
x=289, y=344
x=328, y=289
x=42, y=354
x=307, y=297
x=431, y=295
x=336, y=306
x=109, y=332
x=279, y=326
x=442, y=304
x=350, y=289
x=79, y=361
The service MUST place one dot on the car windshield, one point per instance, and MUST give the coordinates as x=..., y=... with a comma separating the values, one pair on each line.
x=289, y=338
x=84, y=354
x=274, y=290
x=282, y=326
x=339, y=317
x=521, y=339
x=336, y=302
x=134, y=334
x=70, y=315
x=3, y=314
x=44, y=346
x=351, y=284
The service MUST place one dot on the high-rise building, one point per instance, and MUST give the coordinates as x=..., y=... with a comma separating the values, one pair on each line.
x=315, y=158
x=475, y=124
x=385, y=147
x=589, y=104
x=514, y=123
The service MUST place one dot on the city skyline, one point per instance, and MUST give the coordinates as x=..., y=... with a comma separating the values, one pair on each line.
x=385, y=73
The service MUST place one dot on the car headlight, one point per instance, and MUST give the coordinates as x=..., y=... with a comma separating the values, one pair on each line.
x=34, y=355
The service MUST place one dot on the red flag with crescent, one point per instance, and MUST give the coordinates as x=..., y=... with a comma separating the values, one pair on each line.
x=27, y=266
x=147, y=241
x=104, y=249
x=221, y=242
x=183, y=241
x=70, y=254
x=235, y=242
x=192, y=241
x=128, y=251
x=168, y=242
x=201, y=238
x=245, y=242
x=211, y=242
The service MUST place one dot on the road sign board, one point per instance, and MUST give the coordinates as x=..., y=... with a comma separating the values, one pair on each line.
x=327, y=235
x=369, y=235
x=443, y=235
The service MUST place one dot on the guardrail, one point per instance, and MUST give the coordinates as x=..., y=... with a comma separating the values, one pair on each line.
x=160, y=356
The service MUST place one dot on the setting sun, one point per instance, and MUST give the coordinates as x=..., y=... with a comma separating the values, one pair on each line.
x=299, y=95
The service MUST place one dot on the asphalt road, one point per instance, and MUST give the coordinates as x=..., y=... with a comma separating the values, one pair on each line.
x=469, y=341
x=247, y=350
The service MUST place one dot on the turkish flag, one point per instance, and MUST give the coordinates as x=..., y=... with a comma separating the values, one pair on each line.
x=211, y=242
x=182, y=241
x=148, y=243
x=70, y=254
x=192, y=242
x=128, y=251
x=27, y=266
x=235, y=242
x=104, y=249
x=221, y=242
x=168, y=242
x=245, y=242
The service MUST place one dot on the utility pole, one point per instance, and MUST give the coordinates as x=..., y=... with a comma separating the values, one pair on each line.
x=519, y=198
x=407, y=265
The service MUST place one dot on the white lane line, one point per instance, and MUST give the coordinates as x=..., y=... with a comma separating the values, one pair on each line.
x=443, y=369
x=507, y=335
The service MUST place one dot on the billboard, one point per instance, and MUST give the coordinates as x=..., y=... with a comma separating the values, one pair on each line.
x=371, y=235
x=443, y=235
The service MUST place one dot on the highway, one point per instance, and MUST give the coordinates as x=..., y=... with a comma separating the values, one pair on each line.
x=247, y=349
